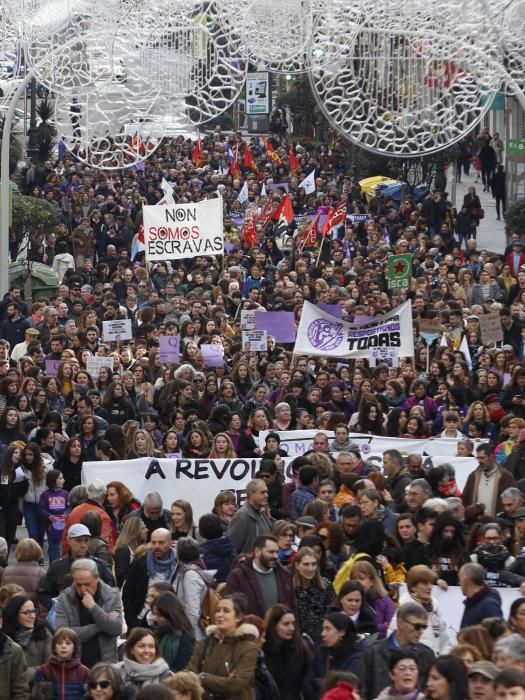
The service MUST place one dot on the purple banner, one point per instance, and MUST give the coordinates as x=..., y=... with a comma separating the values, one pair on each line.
x=279, y=324
x=333, y=309
x=169, y=346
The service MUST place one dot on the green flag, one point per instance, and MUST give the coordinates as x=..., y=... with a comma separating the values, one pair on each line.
x=399, y=271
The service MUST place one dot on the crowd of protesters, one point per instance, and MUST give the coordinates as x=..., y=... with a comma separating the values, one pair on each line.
x=294, y=593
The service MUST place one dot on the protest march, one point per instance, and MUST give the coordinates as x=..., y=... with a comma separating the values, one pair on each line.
x=266, y=438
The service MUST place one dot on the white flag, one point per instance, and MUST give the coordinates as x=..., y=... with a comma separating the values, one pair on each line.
x=263, y=190
x=308, y=184
x=466, y=352
x=168, y=192
x=243, y=194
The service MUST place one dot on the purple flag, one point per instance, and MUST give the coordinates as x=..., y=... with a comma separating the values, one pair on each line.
x=279, y=324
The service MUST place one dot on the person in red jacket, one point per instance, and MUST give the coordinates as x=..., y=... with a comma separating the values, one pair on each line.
x=261, y=579
x=96, y=492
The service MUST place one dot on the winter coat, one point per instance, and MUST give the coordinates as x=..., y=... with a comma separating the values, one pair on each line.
x=28, y=574
x=107, y=629
x=485, y=603
x=37, y=649
x=135, y=590
x=216, y=658
x=312, y=603
x=504, y=480
x=288, y=669
x=54, y=581
x=176, y=647
x=515, y=463
x=245, y=525
x=67, y=678
x=13, y=671
x=396, y=486
x=436, y=635
x=218, y=554
x=243, y=579
x=190, y=584
x=373, y=666
x=108, y=532
x=326, y=660
x=138, y=675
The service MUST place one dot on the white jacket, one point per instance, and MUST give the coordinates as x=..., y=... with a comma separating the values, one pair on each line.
x=436, y=635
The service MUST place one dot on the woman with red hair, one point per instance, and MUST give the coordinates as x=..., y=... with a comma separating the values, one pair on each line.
x=120, y=502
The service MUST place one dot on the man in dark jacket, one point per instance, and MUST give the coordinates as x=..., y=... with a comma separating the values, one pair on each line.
x=412, y=620
x=251, y=520
x=153, y=514
x=481, y=601
x=155, y=566
x=58, y=574
x=261, y=579
x=515, y=462
x=398, y=477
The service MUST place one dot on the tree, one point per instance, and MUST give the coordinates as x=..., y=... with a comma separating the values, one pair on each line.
x=46, y=131
x=15, y=149
x=32, y=219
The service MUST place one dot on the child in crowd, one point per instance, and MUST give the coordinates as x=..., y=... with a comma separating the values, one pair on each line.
x=53, y=510
x=64, y=672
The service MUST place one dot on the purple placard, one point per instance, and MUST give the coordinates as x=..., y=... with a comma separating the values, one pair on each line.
x=52, y=367
x=279, y=324
x=229, y=248
x=212, y=355
x=333, y=309
x=169, y=346
x=277, y=185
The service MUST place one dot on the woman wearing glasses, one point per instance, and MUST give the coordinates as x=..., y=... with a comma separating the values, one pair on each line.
x=104, y=682
x=20, y=623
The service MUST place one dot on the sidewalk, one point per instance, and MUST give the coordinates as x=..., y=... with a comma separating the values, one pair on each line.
x=491, y=232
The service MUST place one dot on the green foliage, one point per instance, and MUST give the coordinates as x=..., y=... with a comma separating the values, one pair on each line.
x=31, y=216
x=515, y=218
x=46, y=131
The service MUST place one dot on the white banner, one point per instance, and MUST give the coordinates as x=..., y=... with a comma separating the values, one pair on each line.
x=196, y=480
x=119, y=329
x=451, y=605
x=183, y=230
x=435, y=451
x=322, y=334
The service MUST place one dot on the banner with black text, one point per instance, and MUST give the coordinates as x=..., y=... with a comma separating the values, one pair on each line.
x=177, y=231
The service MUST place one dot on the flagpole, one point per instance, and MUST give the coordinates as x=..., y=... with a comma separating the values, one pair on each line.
x=320, y=251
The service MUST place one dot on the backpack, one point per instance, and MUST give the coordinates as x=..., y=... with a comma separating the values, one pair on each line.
x=208, y=607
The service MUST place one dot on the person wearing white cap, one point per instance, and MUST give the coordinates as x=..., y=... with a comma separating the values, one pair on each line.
x=54, y=582
x=20, y=349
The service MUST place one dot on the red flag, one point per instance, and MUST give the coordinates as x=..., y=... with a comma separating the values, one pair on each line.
x=235, y=167
x=196, y=154
x=293, y=160
x=284, y=211
x=248, y=160
x=310, y=235
x=336, y=216
x=266, y=213
x=250, y=235
x=272, y=153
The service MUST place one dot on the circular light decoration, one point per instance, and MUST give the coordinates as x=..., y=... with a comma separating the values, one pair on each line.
x=9, y=43
x=510, y=23
x=188, y=53
x=114, y=126
x=407, y=86
x=277, y=34
x=69, y=43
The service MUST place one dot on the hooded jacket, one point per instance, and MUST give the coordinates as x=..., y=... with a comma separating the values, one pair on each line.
x=218, y=554
x=13, y=671
x=66, y=677
x=227, y=665
x=190, y=584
